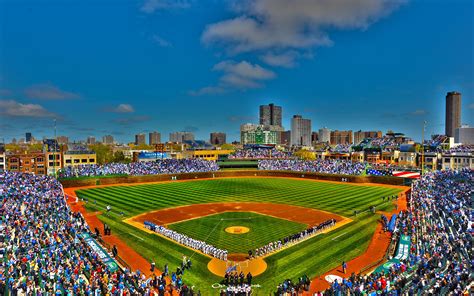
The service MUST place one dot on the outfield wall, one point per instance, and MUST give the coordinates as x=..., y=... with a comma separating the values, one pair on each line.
x=241, y=173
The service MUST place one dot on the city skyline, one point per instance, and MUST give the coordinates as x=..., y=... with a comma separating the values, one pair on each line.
x=179, y=136
x=397, y=56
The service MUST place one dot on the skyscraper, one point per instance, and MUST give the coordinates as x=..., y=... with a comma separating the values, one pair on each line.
x=28, y=137
x=324, y=135
x=218, y=138
x=453, y=112
x=154, y=138
x=108, y=139
x=300, y=131
x=464, y=135
x=90, y=140
x=180, y=137
x=270, y=115
x=140, y=139
x=341, y=137
x=361, y=135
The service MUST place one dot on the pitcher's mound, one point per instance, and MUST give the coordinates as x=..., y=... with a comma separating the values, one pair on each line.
x=237, y=229
x=238, y=263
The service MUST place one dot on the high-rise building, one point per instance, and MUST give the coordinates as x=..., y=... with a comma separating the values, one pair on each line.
x=300, y=131
x=341, y=137
x=108, y=139
x=285, y=137
x=270, y=115
x=464, y=135
x=28, y=137
x=180, y=137
x=314, y=137
x=140, y=139
x=154, y=138
x=453, y=112
x=91, y=140
x=218, y=138
x=360, y=135
x=324, y=135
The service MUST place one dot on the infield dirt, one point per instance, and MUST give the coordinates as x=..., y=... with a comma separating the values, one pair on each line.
x=298, y=214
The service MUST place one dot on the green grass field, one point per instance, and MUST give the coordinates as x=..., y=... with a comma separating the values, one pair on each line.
x=312, y=257
x=263, y=229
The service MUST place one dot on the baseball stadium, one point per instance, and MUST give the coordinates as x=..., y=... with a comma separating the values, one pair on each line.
x=187, y=227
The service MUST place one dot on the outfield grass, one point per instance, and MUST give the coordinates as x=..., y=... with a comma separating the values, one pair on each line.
x=312, y=257
x=263, y=229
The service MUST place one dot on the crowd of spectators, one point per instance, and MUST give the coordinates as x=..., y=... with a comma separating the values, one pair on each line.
x=461, y=149
x=291, y=239
x=439, y=224
x=341, y=148
x=326, y=166
x=436, y=141
x=188, y=241
x=290, y=288
x=166, y=166
x=42, y=253
x=259, y=153
x=386, y=143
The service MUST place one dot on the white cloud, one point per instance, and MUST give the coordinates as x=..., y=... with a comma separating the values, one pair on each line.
x=161, y=42
x=47, y=91
x=237, y=75
x=150, y=6
x=208, y=90
x=264, y=25
x=122, y=108
x=15, y=109
x=243, y=74
x=418, y=112
x=286, y=59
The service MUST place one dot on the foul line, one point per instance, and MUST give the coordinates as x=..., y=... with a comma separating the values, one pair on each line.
x=205, y=241
x=334, y=238
x=136, y=236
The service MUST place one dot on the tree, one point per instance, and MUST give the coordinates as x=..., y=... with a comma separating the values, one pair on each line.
x=119, y=156
x=227, y=147
x=103, y=153
x=305, y=154
x=143, y=147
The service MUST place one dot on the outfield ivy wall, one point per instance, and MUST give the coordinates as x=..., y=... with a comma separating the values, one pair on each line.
x=241, y=173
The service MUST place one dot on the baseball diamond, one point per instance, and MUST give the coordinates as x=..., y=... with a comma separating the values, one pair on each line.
x=271, y=208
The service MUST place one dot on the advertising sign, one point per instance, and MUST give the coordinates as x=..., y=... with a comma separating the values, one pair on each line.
x=101, y=252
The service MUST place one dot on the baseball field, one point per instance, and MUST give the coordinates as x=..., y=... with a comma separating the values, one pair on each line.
x=261, y=210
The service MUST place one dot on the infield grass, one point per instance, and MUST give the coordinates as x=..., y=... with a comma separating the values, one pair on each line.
x=263, y=229
x=312, y=257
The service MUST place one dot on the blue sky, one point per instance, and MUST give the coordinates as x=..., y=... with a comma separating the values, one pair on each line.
x=124, y=67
